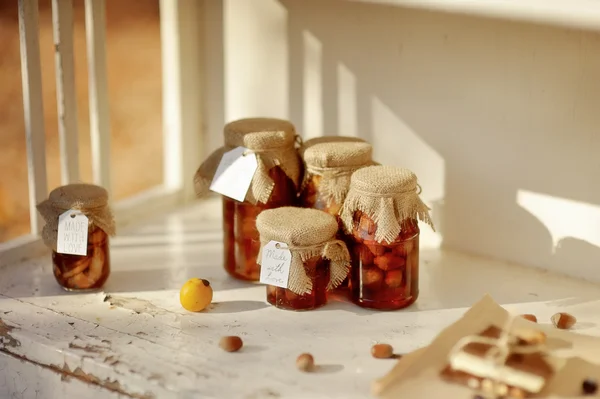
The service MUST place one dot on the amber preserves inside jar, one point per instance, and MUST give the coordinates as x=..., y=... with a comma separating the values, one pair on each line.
x=384, y=276
x=310, y=197
x=317, y=269
x=75, y=272
x=242, y=241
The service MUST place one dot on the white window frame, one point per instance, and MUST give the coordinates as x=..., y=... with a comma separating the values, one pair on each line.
x=182, y=44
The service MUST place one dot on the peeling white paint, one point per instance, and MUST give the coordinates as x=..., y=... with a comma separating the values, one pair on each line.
x=20, y=379
x=136, y=336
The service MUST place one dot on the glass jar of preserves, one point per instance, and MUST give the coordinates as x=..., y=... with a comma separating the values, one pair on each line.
x=275, y=184
x=80, y=214
x=329, y=162
x=385, y=254
x=316, y=260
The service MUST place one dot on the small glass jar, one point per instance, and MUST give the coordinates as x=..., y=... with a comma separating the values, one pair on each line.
x=317, y=259
x=317, y=270
x=241, y=239
x=89, y=272
x=385, y=255
x=275, y=184
x=79, y=272
x=384, y=276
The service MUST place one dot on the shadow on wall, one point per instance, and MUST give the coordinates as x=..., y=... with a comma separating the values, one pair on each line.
x=134, y=85
x=480, y=109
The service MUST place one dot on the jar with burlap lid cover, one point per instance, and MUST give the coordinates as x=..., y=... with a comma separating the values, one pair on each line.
x=319, y=262
x=79, y=272
x=329, y=162
x=381, y=212
x=275, y=183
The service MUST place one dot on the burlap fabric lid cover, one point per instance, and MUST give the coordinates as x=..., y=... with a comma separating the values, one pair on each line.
x=90, y=199
x=308, y=233
x=273, y=141
x=335, y=159
x=388, y=195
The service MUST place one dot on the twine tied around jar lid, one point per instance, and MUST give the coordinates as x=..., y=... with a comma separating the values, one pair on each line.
x=388, y=195
x=89, y=199
x=274, y=143
x=335, y=159
x=307, y=233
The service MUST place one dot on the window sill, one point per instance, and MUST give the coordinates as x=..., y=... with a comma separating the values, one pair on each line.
x=135, y=337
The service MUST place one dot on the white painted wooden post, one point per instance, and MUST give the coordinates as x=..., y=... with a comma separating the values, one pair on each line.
x=33, y=107
x=182, y=47
x=66, y=95
x=95, y=26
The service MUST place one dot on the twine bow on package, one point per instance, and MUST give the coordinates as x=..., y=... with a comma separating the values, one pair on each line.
x=269, y=142
x=306, y=234
x=88, y=200
x=330, y=161
x=386, y=194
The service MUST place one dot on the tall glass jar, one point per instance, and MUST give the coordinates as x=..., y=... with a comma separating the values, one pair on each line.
x=316, y=260
x=275, y=184
x=241, y=239
x=385, y=255
x=73, y=270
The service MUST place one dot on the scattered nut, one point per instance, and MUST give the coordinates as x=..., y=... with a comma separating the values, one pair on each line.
x=382, y=351
x=305, y=362
x=564, y=321
x=231, y=343
x=530, y=317
x=589, y=386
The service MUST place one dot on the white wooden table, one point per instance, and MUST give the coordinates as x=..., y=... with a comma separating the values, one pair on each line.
x=133, y=340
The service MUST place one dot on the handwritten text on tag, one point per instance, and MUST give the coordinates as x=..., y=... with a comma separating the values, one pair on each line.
x=275, y=264
x=234, y=173
x=72, y=233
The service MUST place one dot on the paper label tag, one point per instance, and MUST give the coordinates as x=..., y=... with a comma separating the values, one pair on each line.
x=72, y=233
x=275, y=264
x=234, y=174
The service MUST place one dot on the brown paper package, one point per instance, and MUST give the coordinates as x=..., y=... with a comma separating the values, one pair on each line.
x=417, y=375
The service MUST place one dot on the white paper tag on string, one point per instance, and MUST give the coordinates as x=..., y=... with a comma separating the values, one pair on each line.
x=72, y=233
x=234, y=174
x=275, y=264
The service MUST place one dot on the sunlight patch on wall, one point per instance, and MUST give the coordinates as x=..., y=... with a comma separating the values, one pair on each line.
x=395, y=143
x=347, y=107
x=563, y=217
x=313, y=86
